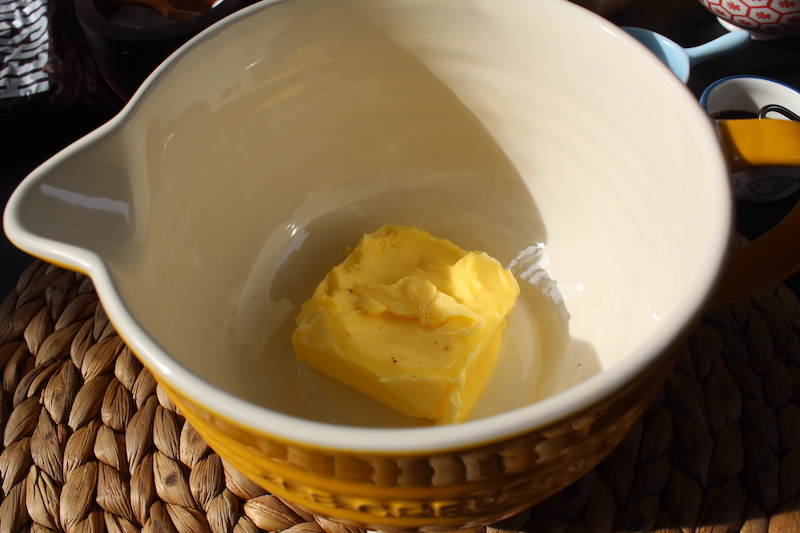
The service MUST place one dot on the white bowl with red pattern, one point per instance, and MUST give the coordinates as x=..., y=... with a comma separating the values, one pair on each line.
x=762, y=17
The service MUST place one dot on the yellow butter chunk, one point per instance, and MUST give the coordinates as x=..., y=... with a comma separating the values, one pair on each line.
x=410, y=320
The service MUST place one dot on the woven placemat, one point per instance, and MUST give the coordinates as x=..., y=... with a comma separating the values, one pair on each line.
x=91, y=444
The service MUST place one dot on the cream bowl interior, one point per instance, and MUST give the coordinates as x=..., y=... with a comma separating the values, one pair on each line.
x=212, y=205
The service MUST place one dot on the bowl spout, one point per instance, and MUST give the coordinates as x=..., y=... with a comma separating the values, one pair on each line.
x=82, y=197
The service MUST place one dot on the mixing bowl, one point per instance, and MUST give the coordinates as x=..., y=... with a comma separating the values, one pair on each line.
x=210, y=207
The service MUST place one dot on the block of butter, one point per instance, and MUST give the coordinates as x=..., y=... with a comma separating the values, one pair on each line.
x=410, y=320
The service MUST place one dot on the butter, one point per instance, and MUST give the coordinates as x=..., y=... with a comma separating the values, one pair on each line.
x=410, y=320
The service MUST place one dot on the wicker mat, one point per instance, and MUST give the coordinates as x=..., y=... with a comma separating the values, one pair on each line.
x=91, y=444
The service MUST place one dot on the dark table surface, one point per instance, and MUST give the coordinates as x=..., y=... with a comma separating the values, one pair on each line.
x=26, y=142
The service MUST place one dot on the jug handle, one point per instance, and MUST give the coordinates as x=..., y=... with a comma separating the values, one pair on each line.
x=774, y=256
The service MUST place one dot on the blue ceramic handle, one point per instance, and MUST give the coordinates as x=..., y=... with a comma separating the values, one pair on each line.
x=725, y=44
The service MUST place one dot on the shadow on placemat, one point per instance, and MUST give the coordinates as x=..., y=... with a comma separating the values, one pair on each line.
x=90, y=443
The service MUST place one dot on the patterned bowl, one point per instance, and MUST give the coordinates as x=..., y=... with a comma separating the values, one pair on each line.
x=761, y=17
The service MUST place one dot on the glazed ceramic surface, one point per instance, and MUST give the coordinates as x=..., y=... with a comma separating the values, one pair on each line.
x=769, y=17
x=209, y=209
x=680, y=60
x=749, y=94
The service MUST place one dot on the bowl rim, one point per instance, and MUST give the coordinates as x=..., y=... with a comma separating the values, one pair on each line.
x=418, y=440
x=715, y=85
